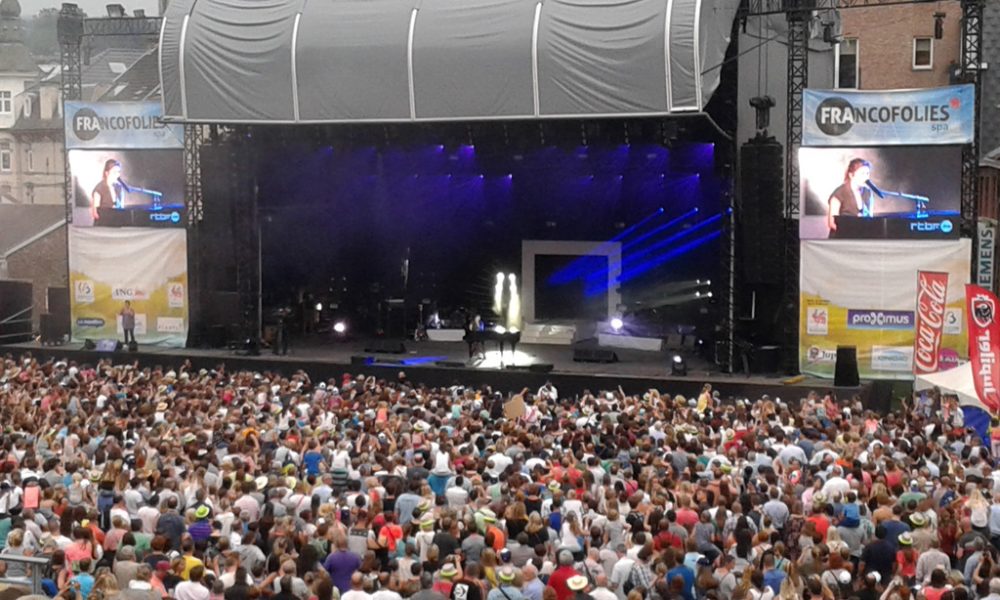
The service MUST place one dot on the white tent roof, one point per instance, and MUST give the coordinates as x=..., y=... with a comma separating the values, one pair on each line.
x=306, y=61
x=956, y=381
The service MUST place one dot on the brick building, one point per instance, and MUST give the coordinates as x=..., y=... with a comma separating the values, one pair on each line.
x=899, y=47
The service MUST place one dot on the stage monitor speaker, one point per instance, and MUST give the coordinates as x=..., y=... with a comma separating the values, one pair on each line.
x=16, y=310
x=88, y=344
x=541, y=368
x=594, y=355
x=451, y=364
x=760, y=218
x=765, y=360
x=386, y=347
x=846, y=372
x=362, y=361
x=133, y=346
x=51, y=332
x=108, y=345
x=57, y=300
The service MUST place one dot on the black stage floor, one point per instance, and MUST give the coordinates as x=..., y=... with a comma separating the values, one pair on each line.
x=446, y=363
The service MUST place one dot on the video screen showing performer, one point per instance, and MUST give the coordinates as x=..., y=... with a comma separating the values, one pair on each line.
x=110, y=192
x=127, y=188
x=853, y=197
x=892, y=192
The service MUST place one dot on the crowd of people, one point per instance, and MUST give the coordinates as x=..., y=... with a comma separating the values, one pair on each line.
x=148, y=483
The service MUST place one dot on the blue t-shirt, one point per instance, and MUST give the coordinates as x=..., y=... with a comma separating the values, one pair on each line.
x=773, y=579
x=86, y=581
x=312, y=460
x=688, y=576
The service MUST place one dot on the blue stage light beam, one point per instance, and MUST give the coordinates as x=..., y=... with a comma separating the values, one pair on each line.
x=659, y=229
x=660, y=259
x=670, y=240
x=574, y=270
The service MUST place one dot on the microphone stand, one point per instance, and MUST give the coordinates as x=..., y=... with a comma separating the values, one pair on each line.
x=921, y=202
x=157, y=196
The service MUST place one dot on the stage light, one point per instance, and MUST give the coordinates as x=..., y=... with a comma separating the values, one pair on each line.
x=709, y=294
x=116, y=11
x=500, y=329
x=513, y=305
x=678, y=366
x=319, y=306
x=498, y=294
x=617, y=324
x=340, y=327
x=697, y=294
x=708, y=282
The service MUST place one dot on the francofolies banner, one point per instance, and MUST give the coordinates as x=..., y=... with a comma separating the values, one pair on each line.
x=120, y=126
x=147, y=267
x=944, y=115
x=865, y=294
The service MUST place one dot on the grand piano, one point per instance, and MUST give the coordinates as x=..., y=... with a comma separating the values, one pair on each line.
x=939, y=224
x=501, y=337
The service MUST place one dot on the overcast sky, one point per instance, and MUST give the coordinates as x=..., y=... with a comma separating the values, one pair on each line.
x=93, y=8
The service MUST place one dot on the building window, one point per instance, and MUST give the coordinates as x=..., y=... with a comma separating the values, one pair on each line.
x=6, y=102
x=30, y=159
x=923, y=53
x=5, y=162
x=847, y=64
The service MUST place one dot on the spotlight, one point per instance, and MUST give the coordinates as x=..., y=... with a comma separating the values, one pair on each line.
x=500, y=277
x=708, y=282
x=512, y=277
x=697, y=294
x=709, y=294
x=617, y=324
x=319, y=306
x=678, y=366
x=340, y=327
x=116, y=11
x=500, y=329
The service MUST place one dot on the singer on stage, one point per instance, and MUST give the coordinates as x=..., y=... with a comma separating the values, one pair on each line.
x=853, y=197
x=110, y=192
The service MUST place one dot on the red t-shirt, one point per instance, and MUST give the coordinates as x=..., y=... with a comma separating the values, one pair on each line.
x=558, y=579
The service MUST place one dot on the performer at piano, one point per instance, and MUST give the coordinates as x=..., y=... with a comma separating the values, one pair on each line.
x=110, y=192
x=853, y=197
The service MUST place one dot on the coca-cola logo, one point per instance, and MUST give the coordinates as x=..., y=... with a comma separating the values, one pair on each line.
x=932, y=297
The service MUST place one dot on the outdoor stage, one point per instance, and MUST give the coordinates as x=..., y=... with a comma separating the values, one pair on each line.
x=447, y=363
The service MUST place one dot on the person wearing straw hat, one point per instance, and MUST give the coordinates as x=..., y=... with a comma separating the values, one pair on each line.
x=506, y=590
x=578, y=586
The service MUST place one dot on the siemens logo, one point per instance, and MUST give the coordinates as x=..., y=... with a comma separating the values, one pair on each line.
x=879, y=319
x=945, y=226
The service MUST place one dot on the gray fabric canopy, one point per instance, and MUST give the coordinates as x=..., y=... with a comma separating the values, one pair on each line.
x=328, y=61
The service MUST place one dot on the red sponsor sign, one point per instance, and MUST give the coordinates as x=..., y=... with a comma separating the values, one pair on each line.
x=932, y=299
x=984, y=338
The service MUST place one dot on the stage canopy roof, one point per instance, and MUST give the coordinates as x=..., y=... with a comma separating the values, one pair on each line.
x=329, y=61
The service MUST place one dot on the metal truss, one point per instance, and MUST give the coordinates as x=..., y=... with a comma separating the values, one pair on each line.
x=798, y=79
x=779, y=7
x=726, y=329
x=971, y=67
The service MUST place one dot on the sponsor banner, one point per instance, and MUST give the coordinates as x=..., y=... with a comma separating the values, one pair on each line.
x=897, y=359
x=879, y=319
x=119, y=125
x=944, y=115
x=868, y=291
x=818, y=320
x=147, y=267
x=984, y=344
x=986, y=247
x=932, y=301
